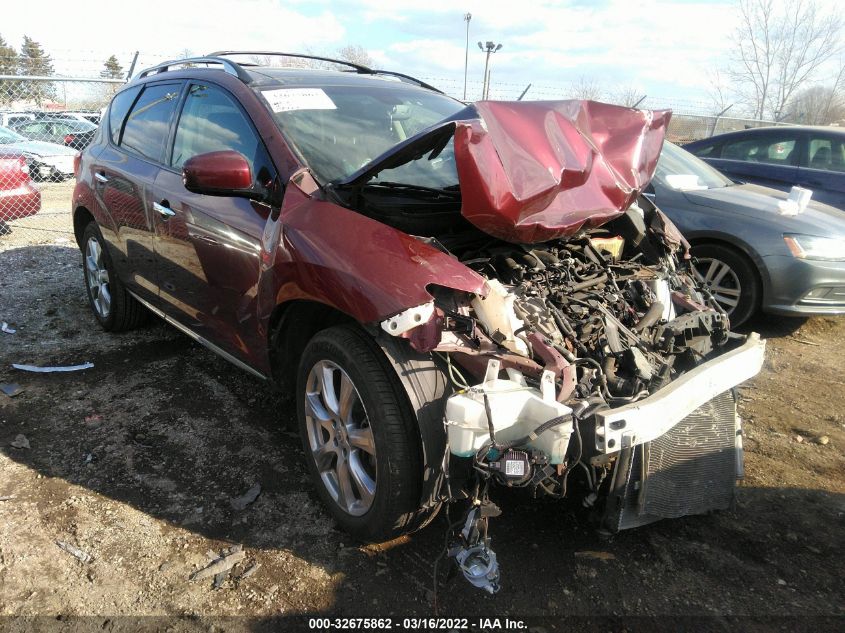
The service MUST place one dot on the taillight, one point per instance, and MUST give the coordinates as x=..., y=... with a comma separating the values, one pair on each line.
x=77, y=164
x=69, y=139
x=14, y=172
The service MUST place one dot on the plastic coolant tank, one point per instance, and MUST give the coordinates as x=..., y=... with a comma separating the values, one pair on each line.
x=517, y=410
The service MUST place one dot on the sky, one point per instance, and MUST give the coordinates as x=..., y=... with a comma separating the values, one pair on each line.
x=664, y=49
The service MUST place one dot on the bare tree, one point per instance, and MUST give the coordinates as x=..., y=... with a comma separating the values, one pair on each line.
x=627, y=96
x=356, y=54
x=778, y=47
x=719, y=92
x=587, y=89
x=817, y=105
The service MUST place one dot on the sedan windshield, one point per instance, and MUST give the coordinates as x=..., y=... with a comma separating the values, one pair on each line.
x=678, y=169
x=8, y=137
x=339, y=129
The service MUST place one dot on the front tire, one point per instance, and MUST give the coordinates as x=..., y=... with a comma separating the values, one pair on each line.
x=358, y=432
x=113, y=307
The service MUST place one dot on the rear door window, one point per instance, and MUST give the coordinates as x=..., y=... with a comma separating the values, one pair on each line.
x=148, y=124
x=773, y=149
x=826, y=153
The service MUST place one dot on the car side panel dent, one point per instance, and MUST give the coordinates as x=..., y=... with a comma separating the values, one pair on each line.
x=319, y=251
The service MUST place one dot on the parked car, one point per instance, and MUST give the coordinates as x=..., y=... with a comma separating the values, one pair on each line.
x=780, y=157
x=8, y=117
x=459, y=297
x=749, y=254
x=75, y=134
x=46, y=161
x=18, y=197
x=90, y=117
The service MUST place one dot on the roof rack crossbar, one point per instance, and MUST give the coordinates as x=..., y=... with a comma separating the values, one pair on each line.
x=228, y=65
x=358, y=67
x=407, y=78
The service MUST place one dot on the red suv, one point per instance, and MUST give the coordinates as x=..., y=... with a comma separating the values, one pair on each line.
x=459, y=296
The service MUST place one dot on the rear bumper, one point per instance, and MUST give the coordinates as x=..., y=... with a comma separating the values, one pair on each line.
x=19, y=203
x=648, y=419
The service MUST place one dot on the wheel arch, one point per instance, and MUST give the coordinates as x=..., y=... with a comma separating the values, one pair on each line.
x=82, y=217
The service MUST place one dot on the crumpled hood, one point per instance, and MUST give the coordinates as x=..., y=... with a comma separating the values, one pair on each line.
x=534, y=171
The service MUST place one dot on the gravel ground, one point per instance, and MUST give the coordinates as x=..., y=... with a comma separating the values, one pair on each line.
x=135, y=463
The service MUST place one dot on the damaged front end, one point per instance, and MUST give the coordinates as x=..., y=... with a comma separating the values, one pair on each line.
x=591, y=363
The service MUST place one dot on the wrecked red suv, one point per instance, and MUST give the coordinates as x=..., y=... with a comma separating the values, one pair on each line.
x=460, y=297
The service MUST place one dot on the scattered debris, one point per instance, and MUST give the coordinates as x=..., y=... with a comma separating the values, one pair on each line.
x=799, y=439
x=82, y=557
x=47, y=370
x=596, y=555
x=224, y=563
x=89, y=419
x=781, y=582
x=823, y=440
x=805, y=342
x=89, y=458
x=250, y=570
x=20, y=441
x=219, y=579
x=11, y=389
x=239, y=503
x=7, y=498
x=4, y=327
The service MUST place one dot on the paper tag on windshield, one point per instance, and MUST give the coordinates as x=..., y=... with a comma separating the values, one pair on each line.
x=287, y=99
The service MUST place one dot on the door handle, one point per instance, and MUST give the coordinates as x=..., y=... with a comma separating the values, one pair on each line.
x=163, y=210
x=100, y=177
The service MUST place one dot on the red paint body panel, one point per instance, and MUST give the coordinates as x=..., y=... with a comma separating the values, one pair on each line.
x=360, y=266
x=545, y=169
x=18, y=197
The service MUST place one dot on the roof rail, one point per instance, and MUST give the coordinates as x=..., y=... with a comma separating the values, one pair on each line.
x=358, y=67
x=228, y=65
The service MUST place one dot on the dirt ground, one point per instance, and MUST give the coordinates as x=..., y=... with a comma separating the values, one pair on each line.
x=135, y=462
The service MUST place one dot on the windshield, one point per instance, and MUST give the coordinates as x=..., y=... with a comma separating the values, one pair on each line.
x=679, y=170
x=7, y=136
x=339, y=129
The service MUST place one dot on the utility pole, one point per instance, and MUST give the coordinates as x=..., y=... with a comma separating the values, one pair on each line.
x=467, y=18
x=489, y=47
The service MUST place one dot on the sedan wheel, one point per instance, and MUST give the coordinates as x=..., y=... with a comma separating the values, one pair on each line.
x=720, y=280
x=340, y=438
x=731, y=278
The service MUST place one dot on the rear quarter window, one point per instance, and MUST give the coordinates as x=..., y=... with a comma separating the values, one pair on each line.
x=119, y=109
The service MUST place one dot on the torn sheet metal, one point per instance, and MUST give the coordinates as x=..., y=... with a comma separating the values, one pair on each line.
x=535, y=171
x=48, y=370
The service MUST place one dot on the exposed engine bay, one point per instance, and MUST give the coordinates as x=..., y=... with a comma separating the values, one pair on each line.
x=570, y=333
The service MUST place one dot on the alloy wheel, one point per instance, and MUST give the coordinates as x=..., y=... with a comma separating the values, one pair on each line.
x=98, y=278
x=721, y=280
x=340, y=437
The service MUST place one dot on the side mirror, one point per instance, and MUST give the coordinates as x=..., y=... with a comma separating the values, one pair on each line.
x=223, y=173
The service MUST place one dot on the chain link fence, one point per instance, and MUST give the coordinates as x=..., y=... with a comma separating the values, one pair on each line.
x=45, y=121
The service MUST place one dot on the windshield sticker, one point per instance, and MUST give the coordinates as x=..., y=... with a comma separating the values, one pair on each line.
x=287, y=99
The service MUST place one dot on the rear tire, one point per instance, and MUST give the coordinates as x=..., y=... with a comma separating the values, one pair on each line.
x=731, y=278
x=360, y=435
x=113, y=307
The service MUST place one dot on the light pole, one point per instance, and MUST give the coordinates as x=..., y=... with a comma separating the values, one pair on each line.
x=467, y=18
x=490, y=47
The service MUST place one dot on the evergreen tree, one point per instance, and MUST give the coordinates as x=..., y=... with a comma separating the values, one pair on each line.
x=112, y=69
x=34, y=61
x=8, y=66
